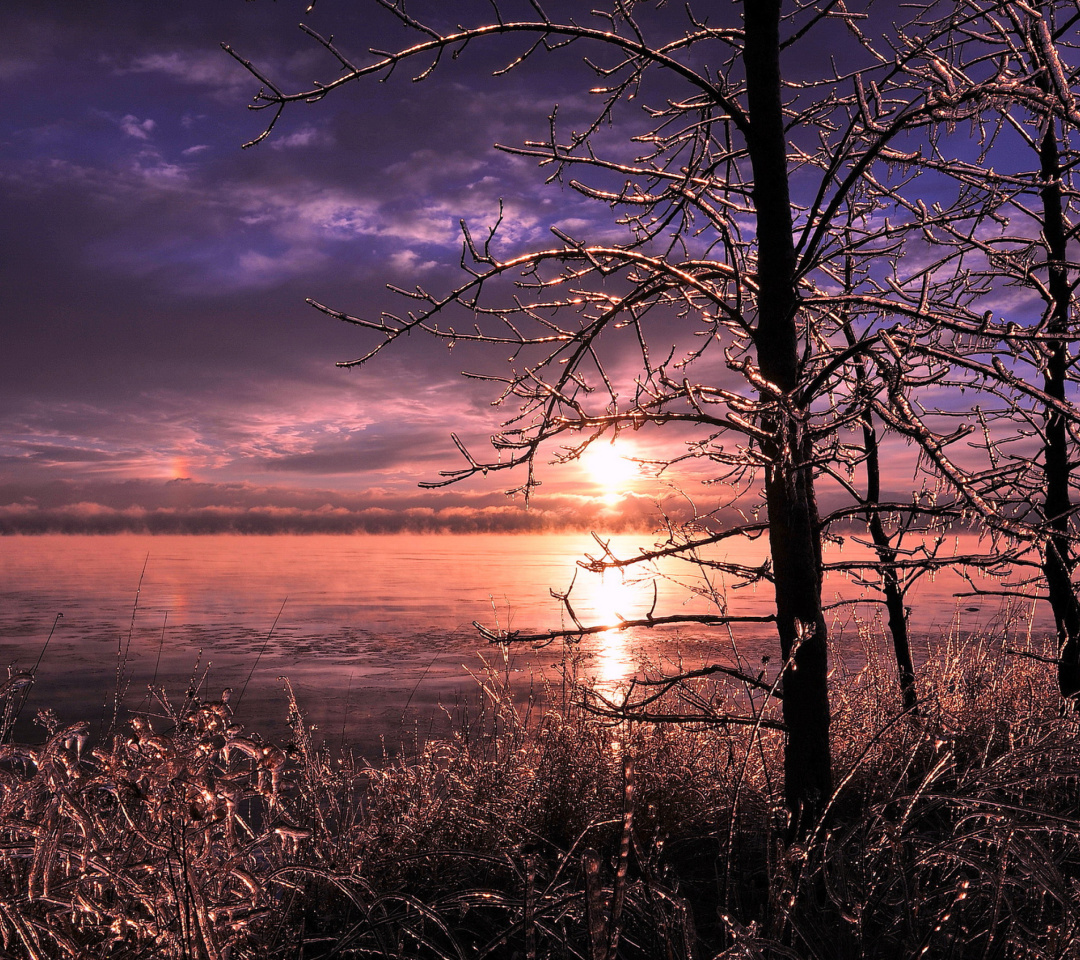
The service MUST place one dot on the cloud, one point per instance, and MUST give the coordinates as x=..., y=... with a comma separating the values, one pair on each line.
x=54, y=453
x=409, y=261
x=51, y=454
x=302, y=227
x=12, y=66
x=134, y=127
x=145, y=507
x=210, y=235
x=304, y=137
x=209, y=68
x=425, y=169
x=306, y=210
x=198, y=218
x=154, y=169
x=300, y=426
x=360, y=454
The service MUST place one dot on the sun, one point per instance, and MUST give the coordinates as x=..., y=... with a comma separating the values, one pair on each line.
x=610, y=467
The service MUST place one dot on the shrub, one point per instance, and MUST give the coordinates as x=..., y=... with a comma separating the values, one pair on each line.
x=542, y=829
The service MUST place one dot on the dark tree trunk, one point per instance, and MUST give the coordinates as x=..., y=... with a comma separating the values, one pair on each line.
x=794, y=531
x=886, y=553
x=1058, y=561
x=890, y=581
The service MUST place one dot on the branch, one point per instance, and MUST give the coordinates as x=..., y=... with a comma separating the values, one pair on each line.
x=514, y=636
x=660, y=56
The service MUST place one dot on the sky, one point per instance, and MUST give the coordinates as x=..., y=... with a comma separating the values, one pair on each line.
x=160, y=368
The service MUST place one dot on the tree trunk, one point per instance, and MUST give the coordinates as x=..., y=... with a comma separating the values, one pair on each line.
x=1058, y=561
x=890, y=581
x=794, y=529
x=886, y=553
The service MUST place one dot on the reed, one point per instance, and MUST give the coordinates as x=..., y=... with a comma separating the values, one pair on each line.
x=540, y=829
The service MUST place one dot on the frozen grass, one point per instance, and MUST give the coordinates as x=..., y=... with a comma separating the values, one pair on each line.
x=546, y=832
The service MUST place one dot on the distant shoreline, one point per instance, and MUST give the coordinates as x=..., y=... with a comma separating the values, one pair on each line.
x=270, y=527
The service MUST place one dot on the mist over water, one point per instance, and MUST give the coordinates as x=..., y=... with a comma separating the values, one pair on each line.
x=376, y=632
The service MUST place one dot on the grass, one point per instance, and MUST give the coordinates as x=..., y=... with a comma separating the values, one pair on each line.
x=545, y=831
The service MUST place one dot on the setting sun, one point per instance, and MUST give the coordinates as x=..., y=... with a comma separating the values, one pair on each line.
x=609, y=467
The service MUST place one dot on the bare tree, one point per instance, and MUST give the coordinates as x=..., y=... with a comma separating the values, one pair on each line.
x=728, y=284
x=1035, y=40
x=1019, y=238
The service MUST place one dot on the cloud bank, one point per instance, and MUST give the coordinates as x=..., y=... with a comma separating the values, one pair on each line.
x=190, y=507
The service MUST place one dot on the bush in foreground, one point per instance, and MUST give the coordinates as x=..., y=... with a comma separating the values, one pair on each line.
x=550, y=832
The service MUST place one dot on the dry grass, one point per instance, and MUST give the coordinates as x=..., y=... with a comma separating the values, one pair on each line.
x=548, y=832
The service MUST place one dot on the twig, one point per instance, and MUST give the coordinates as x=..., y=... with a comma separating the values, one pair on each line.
x=261, y=652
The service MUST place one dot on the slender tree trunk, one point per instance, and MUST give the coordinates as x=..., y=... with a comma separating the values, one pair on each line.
x=1058, y=560
x=886, y=553
x=794, y=529
x=890, y=581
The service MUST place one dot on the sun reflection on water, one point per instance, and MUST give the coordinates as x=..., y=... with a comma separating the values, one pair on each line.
x=612, y=600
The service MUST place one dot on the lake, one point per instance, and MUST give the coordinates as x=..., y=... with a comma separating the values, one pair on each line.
x=374, y=632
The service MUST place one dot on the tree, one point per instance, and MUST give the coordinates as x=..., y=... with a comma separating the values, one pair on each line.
x=1023, y=238
x=728, y=283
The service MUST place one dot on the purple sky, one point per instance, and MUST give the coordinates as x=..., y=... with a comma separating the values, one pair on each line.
x=154, y=274
x=160, y=367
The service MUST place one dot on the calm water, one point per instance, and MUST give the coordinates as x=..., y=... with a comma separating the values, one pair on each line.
x=375, y=632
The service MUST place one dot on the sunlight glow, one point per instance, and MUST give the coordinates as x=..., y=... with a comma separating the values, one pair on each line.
x=611, y=597
x=610, y=468
x=612, y=600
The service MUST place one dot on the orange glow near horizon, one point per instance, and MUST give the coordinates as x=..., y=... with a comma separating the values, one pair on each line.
x=180, y=469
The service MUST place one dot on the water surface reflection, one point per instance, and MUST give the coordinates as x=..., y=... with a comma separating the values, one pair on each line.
x=376, y=631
